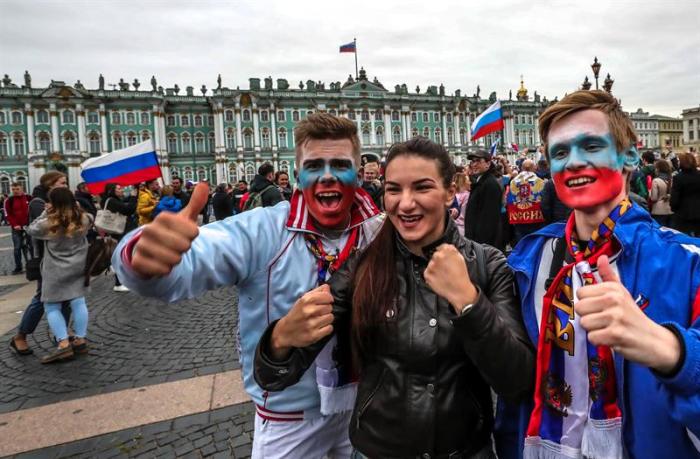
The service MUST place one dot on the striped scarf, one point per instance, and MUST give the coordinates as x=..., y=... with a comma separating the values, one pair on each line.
x=576, y=411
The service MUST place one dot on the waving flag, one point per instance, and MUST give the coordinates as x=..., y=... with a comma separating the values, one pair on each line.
x=128, y=166
x=494, y=146
x=514, y=147
x=491, y=120
x=348, y=47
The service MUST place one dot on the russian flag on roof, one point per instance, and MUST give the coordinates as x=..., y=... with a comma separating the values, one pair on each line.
x=348, y=47
x=489, y=121
x=128, y=166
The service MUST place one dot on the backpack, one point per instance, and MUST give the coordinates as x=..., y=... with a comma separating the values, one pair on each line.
x=99, y=256
x=255, y=199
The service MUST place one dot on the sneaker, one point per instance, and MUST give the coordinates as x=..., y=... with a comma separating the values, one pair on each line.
x=120, y=288
x=59, y=355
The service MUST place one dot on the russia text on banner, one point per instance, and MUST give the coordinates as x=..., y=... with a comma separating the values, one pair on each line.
x=128, y=166
x=348, y=47
x=491, y=120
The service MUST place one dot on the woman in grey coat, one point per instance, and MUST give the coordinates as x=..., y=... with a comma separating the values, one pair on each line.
x=63, y=225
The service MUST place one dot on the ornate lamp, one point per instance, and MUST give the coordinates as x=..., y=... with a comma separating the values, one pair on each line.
x=586, y=84
x=608, y=84
x=596, y=70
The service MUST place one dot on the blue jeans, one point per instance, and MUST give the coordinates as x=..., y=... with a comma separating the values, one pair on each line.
x=17, y=239
x=57, y=322
x=34, y=312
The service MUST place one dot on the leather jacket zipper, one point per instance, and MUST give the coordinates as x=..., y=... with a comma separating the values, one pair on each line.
x=367, y=402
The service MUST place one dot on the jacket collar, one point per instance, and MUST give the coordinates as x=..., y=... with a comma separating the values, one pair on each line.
x=362, y=209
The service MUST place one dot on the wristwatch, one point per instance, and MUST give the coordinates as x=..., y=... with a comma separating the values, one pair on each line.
x=466, y=308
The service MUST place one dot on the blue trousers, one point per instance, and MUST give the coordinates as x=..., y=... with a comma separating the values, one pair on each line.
x=58, y=324
x=35, y=311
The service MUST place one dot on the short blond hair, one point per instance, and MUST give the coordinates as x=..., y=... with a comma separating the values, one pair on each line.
x=322, y=126
x=621, y=127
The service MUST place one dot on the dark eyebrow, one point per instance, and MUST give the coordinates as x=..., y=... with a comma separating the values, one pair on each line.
x=313, y=162
x=340, y=162
x=424, y=180
x=578, y=139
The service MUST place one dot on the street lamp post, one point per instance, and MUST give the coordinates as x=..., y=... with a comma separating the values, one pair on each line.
x=608, y=83
x=596, y=70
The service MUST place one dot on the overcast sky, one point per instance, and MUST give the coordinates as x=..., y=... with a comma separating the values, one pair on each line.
x=651, y=48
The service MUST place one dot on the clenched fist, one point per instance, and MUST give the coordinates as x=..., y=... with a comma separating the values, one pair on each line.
x=309, y=320
x=163, y=241
x=448, y=276
x=612, y=318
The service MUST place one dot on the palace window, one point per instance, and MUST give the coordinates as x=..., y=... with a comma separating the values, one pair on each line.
x=246, y=115
x=396, y=135
x=145, y=119
x=426, y=133
x=333, y=112
x=249, y=172
x=231, y=138
x=2, y=117
x=414, y=117
x=365, y=137
x=295, y=116
x=449, y=117
x=201, y=174
x=414, y=132
x=365, y=115
x=3, y=145
x=309, y=113
x=131, y=138
x=228, y=115
x=265, y=138
x=116, y=119
x=436, y=117
x=232, y=172
x=284, y=166
x=117, y=141
x=130, y=118
x=264, y=116
x=42, y=116
x=199, y=143
x=68, y=117
x=282, y=137
x=145, y=135
x=22, y=180
x=5, y=185
x=425, y=117
x=184, y=120
x=210, y=120
x=186, y=144
x=93, y=117
x=187, y=173
x=172, y=143
x=198, y=121
x=461, y=117
x=170, y=120
x=378, y=115
x=450, y=136
x=18, y=141
x=247, y=140
x=351, y=114
x=212, y=142
x=379, y=135
x=438, y=135
x=280, y=116
x=395, y=115
x=69, y=143
x=44, y=141
x=16, y=117
x=464, y=136
x=94, y=142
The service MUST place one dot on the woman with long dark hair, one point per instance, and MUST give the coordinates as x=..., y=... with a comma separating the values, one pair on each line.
x=430, y=317
x=113, y=200
x=63, y=226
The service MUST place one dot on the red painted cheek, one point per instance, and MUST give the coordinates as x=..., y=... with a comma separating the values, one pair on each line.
x=608, y=185
x=330, y=218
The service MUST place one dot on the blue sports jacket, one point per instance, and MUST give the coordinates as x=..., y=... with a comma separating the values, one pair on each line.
x=661, y=416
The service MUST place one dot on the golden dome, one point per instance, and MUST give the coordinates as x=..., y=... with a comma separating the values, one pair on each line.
x=522, y=92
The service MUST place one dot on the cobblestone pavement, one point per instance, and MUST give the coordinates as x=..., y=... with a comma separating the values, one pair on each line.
x=222, y=433
x=133, y=342
x=7, y=261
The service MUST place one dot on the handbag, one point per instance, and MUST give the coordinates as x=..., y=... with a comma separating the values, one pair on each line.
x=33, y=269
x=110, y=222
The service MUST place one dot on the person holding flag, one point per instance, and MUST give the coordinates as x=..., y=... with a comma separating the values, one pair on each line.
x=612, y=301
x=306, y=240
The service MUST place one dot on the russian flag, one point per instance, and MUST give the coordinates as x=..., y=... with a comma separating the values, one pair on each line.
x=491, y=120
x=514, y=147
x=494, y=146
x=129, y=166
x=348, y=47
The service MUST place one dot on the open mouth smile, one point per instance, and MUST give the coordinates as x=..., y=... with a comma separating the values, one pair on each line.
x=329, y=199
x=575, y=182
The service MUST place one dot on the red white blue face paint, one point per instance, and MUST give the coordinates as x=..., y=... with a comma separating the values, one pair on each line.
x=328, y=186
x=585, y=164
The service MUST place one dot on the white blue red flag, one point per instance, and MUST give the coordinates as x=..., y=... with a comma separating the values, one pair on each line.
x=515, y=147
x=348, y=47
x=494, y=146
x=129, y=166
x=491, y=120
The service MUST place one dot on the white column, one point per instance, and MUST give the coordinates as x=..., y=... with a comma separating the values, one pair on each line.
x=82, y=134
x=537, y=129
x=273, y=128
x=358, y=118
x=372, y=136
x=406, y=124
x=31, y=141
x=239, y=131
x=388, y=135
x=165, y=168
x=256, y=128
x=54, y=129
x=155, y=116
x=445, y=140
x=103, y=127
x=458, y=138
x=512, y=130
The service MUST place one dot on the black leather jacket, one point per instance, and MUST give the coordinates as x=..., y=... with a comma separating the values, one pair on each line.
x=426, y=391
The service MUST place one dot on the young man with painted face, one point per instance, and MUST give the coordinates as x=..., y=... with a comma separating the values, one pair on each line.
x=274, y=255
x=612, y=301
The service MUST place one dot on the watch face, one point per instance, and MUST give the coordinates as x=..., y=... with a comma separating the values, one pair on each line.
x=466, y=309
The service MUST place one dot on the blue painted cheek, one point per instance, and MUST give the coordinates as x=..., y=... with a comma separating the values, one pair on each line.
x=308, y=178
x=607, y=158
x=345, y=176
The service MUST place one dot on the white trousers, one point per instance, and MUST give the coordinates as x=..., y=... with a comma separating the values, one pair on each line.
x=316, y=438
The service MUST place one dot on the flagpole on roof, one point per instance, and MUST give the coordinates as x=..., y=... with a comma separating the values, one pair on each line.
x=354, y=40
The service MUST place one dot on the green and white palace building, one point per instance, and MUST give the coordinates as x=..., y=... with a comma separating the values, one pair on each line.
x=223, y=135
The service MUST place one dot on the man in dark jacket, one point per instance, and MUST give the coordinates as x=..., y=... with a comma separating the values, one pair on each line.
x=553, y=209
x=482, y=216
x=84, y=198
x=685, y=196
x=178, y=192
x=263, y=184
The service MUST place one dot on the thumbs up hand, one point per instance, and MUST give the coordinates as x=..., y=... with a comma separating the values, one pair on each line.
x=612, y=318
x=163, y=241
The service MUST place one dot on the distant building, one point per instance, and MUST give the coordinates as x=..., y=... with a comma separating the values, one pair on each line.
x=691, y=128
x=223, y=135
x=657, y=131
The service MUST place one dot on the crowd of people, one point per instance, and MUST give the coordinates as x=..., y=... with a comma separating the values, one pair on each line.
x=381, y=316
